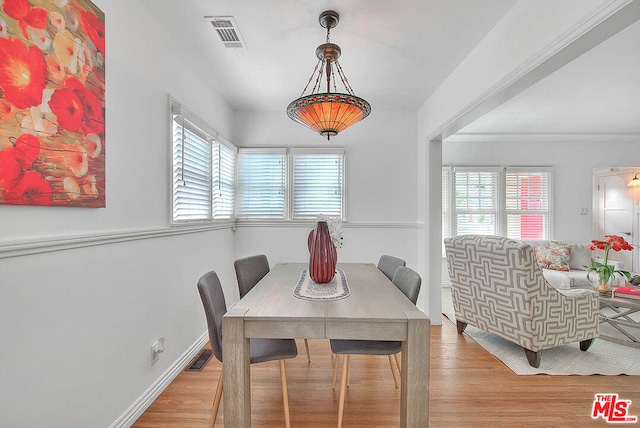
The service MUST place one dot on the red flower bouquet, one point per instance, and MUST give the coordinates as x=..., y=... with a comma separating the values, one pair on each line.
x=606, y=272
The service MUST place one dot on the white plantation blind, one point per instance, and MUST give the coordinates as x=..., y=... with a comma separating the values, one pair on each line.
x=514, y=201
x=203, y=173
x=191, y=174
x=318, y=184
x=476, y=196
x=527, y=203
x=262, y=183
x=224, y=181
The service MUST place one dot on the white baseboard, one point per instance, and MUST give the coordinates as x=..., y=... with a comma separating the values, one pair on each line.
x=146, y=399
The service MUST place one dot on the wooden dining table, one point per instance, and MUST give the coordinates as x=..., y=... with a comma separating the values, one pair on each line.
x=374, y=310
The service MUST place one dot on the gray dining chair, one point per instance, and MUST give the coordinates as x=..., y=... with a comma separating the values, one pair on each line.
x=408, y=281
x=388, y=265
x=260, y=350
x=249, y=271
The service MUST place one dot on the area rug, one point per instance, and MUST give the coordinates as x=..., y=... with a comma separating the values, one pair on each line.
x=603, y=358
x=308, y=289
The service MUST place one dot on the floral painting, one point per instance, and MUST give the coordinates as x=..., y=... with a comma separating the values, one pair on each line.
x=52, y=103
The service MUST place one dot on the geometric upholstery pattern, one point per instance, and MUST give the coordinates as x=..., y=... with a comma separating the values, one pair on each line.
x=497, y=286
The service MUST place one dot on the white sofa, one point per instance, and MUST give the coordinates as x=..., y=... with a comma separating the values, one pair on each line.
x=577, y=274
x=496, y=286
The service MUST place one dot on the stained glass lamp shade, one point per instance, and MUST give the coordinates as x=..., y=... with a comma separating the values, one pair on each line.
x=328, y=113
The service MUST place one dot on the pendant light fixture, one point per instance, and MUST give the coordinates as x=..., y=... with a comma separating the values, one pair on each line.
x=328, y=112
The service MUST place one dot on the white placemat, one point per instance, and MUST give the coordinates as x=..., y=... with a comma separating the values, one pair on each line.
x=308, y=289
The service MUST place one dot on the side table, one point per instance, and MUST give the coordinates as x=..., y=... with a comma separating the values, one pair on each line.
x=617, y=311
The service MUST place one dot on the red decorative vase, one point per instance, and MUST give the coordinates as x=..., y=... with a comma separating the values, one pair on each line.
x=323, y=254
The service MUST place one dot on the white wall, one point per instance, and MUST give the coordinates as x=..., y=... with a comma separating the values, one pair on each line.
x=76, y=324
x=505, y=61
x=362, y=243
x=508, y=52
x=572, y=163
x=381, y=171
x=85, y=292
x=381, y=181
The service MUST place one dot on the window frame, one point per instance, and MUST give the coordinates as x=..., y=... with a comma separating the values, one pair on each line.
x=247, y=151
x=449, y=205
x=209, y=136
x=548, y=212
x=226, y=174
x=290, y=154
x=499, y=191
x=291, y=215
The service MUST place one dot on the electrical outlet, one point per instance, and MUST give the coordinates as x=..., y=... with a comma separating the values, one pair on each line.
x=156, y=349
x=583, y=211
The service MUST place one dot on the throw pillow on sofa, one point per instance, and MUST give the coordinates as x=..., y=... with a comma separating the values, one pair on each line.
x=580, y=257
x=555, y=258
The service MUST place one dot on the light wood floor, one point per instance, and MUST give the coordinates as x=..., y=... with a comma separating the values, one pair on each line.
x=468, y=388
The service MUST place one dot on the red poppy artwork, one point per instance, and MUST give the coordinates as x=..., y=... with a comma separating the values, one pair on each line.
x=52, y=103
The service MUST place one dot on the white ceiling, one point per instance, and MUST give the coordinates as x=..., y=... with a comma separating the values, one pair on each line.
x=394, y=53
x=598, y=93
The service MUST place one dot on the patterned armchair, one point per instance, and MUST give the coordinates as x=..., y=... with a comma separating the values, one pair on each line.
x=498, y=287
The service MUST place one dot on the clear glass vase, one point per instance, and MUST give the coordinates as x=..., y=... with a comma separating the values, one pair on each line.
x=601, y=286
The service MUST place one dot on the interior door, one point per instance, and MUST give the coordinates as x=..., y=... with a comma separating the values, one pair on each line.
x=616, y=211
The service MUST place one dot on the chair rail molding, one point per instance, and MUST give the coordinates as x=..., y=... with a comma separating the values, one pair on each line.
x=311, y=223
x=17, y=248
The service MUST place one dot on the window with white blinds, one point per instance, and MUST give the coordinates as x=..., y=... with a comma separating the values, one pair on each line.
x=527, y=203
x=300, y=184
x=318, y=184
x=224, y=181
x=262, y=179
x=191, y=174
x=512, y=202
x=476, y=202
x=203, y=173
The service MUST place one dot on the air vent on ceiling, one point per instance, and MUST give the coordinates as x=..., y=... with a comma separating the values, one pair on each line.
x=227, y=30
